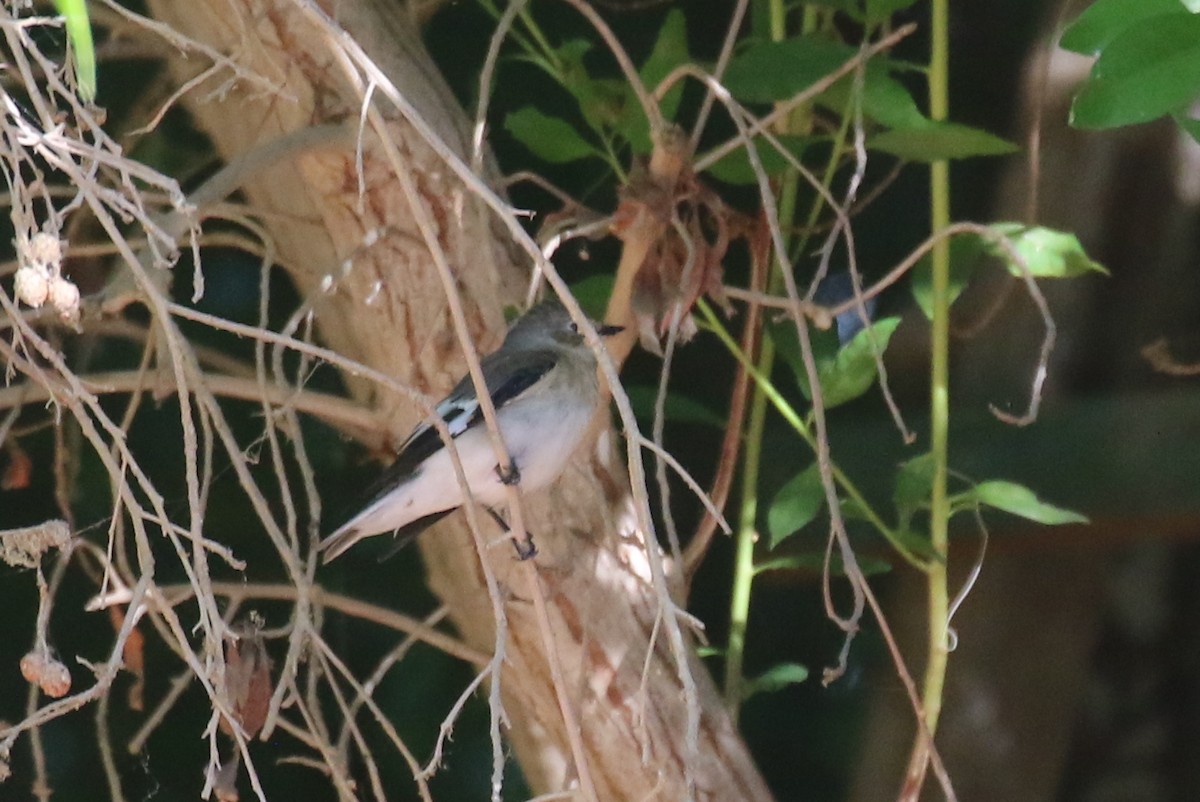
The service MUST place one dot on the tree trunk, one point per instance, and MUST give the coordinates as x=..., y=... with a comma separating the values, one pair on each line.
x=386, y=307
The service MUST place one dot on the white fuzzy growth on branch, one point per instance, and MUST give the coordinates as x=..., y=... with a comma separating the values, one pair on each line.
x=24, y=547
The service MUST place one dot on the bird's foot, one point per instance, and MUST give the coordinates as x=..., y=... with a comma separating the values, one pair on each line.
x=509, y=477
x=526, y=550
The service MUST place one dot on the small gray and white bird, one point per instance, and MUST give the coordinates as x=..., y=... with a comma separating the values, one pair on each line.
x=543, y=385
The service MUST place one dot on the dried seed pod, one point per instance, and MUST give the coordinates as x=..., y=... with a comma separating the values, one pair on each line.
x=32, y=665
x=45, y=249
x=49, y=674
x=65, y=296
x=56, y=680
x=32, y=286
x=248, y=677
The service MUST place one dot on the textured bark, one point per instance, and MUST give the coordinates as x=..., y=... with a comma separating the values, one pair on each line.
x=388, y=310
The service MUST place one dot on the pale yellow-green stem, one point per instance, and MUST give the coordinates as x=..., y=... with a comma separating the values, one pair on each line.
x=746, y=536
x=797, y=422
x=939, y=599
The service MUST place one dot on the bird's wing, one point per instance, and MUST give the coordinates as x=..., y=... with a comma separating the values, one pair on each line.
x=507, y=375
x=506, y=379
x=460, y=409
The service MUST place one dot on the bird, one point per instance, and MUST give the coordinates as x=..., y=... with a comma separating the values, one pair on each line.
x=543, y=385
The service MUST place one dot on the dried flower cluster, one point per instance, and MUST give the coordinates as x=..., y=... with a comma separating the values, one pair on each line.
x=47, y=673
x=40, y=278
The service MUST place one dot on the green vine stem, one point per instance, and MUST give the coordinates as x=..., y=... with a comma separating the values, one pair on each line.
x=793, y=418
x=747, y=531
x=746, y=535
x=939, y=599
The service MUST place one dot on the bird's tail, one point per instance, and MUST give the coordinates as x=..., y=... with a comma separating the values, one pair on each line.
x=408, y=533
x=333, y=546
x=348, y=535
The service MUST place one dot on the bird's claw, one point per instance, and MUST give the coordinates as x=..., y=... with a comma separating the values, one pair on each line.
x=509, y=477
x=526, y=550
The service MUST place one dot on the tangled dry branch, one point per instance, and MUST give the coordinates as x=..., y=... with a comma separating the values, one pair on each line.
x=158, y=569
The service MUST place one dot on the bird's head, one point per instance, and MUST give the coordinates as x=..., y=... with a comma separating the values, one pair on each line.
x=548, y=323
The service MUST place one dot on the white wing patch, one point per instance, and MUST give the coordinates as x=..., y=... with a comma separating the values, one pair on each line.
x=456, y=412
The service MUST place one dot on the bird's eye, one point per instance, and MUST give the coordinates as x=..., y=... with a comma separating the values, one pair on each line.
x=574, y=327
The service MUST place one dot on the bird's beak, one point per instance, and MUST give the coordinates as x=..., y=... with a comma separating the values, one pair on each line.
x=607, y=331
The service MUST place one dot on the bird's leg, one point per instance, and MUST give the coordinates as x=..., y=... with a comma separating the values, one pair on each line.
x=499, y=521
x=525, y=550
x=509, y=477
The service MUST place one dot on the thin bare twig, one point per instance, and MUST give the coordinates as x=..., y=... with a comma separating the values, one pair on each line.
x=1158, y=355
x=731, y=38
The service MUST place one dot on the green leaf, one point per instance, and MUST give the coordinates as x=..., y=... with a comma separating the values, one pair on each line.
x=815, y=562
x=1020, y=500
x=795, y=505
x=550, y=138
x=888, y=102
x=882, y=10
x=610, y=105
x=845, y=373
x=769, y=71
x=853, y=371
x=678, y=408
x=1046, y=252
x=1150, y=69
x=787, y=348
x=851, y=7
x=735, y=168
x=937, y=141
x=670, y=50
x=853, y=510
x=914, y=484
x=571, y=54
x=965, y=250
x=1105, y=20
x=593, y=293
x=571, y=72
x=774, y=679
x=1190, y=127
x=884, y=99
x=602, y=101
x=917, y=544
x=79, y=34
